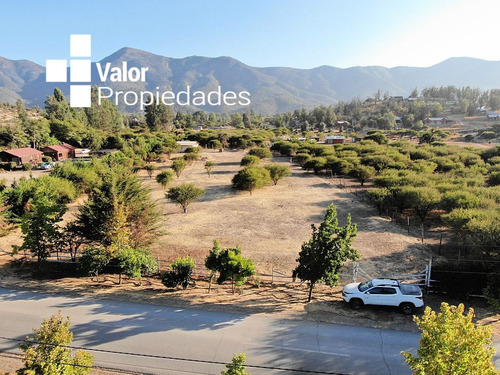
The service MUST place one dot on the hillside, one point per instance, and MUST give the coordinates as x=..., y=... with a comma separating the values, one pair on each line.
x=273, y=90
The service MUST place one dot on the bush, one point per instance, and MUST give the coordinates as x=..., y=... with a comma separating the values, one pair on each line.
x=250, y=161
x=179, y=274
x=261, y=153
x=251, y=178
x=8, y=166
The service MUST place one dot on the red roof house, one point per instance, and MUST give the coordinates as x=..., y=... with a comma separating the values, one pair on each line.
x=21, y=156
x=60, y=152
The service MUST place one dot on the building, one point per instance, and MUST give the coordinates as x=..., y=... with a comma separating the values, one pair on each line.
x=60, y=152
x=334, y=139
x=186, y=144
x=20, y=156
x=436, y=120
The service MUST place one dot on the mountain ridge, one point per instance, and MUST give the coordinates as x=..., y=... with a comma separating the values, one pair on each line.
x=273, y=89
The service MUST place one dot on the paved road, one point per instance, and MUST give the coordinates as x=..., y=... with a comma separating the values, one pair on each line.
x=154, y=333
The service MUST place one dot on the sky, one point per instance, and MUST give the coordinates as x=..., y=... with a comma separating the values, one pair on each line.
x=262, y=33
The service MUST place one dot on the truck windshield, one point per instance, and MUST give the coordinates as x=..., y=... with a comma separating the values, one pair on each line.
x=365, y=286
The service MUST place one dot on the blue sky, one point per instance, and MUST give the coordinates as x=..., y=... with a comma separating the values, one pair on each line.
x=292, y=33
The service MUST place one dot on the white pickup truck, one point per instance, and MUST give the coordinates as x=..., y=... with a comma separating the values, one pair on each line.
x=384, y=292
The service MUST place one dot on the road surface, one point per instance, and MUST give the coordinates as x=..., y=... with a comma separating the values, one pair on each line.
x=166, y=340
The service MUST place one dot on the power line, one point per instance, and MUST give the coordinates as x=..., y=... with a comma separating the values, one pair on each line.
x=153, y=356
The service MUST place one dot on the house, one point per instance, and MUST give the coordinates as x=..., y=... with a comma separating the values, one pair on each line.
x=186, y=144
x=436, y=120
x=334, y=139
x=21, y=156
x=60, y=152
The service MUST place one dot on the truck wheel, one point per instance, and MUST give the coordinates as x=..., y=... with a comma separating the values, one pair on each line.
x=356, y=303
x=407, y=308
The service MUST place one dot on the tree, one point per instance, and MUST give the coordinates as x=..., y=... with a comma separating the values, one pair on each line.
x=103, y=114
x=47, y=352
x=191, y=157
x=236, y=367
x=212, y=263
x=452, y=344
x=94, y=259
x=278, y=171
x=150, y=168
x=362, y=173
x=209, y=165
x=379, y=197
x=330, y=246
x=164, y=178
x=119, y=194
x=251, y=178
x=136, y=262
x=179, y=274
x=5, y=226
x=158, y=116
x=250, y=161
x=56, y=106
x=234, y=267
x=178, y=165
x=39, y=226
x=184, y=194
x=261, y=152
x=422, y=199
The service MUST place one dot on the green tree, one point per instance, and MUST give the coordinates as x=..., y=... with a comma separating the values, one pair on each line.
x=178, y=165
x=159, y=117
x=165, y=178
x=212, y=263
x=452, y=344
x=379, y=197
x=103, y=115
x=179, y=274
x=422, y=200
x=136, y=262
x=39, y=226
x=251, y=178
x=362, y=173
x=278, y=171
x=237, y=366
x=119, y=190
x=5, y=226
x=184, y=194
x=330, y=246
x=250, y=161
x=191, y=157
x=234, y=267
x=47, y=352
x=261, y=153
x=56, y=106
x=150, y=168
x=94, y=259
x=378, y=137
x=209, y=166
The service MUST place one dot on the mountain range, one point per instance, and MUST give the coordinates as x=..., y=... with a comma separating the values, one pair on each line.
x=273, y=90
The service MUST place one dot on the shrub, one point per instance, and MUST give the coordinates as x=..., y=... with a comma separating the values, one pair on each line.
x=251, y=178
x=179, y=274
x=250, y=161
x=261, y=153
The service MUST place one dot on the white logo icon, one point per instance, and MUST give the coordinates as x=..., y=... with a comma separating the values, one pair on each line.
x=80, y=70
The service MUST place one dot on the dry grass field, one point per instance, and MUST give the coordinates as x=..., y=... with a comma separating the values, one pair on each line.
x=271, y=224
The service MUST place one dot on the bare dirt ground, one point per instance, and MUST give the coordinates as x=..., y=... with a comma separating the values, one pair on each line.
x=270, y=227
